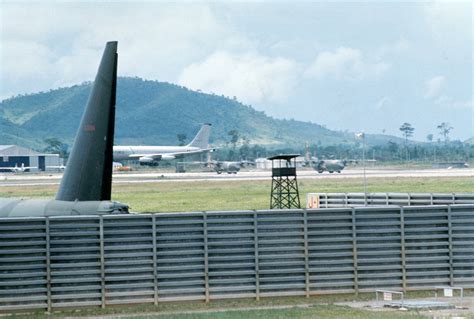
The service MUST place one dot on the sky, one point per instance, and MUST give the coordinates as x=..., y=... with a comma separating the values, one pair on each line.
x=357, y=66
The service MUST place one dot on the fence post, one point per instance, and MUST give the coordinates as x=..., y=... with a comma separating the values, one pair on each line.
x=206, y=257
x=450, y=241
x=257, y=268
x=102, y=260
x=155, y=270
x=306, y=253
x=354, y=251
x=48, y=264
x=403, y=253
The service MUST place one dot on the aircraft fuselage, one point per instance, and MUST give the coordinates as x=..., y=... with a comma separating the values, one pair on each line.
x=123, y=152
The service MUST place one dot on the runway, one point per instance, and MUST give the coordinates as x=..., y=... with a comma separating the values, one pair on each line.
x=35, y=179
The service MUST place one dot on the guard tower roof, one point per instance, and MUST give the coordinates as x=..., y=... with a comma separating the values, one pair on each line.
x=283, y=157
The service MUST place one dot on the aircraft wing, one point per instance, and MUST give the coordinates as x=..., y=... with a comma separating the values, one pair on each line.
x=170, y=156
x=18, y=168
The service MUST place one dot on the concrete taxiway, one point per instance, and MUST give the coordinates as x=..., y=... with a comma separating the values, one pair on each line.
x=29, y=179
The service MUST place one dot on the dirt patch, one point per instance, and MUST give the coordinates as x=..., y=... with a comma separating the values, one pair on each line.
x=463, y=307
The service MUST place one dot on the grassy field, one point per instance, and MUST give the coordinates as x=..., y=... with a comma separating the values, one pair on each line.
x=321, y=306
x=234, y=195
x=319, y=311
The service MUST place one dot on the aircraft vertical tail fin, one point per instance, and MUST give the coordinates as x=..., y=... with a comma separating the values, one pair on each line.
x=88, y=174
x=201, y=139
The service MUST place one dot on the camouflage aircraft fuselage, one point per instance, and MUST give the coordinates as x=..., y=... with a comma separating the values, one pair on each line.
x=330, y=166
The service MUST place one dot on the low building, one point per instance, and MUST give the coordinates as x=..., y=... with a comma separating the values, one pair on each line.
x=266, y=164
x=13, y=155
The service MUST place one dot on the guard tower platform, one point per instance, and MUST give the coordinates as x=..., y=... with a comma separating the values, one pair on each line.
x=284, y=193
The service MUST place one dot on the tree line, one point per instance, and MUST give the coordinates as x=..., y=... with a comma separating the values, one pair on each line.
x=442, y=150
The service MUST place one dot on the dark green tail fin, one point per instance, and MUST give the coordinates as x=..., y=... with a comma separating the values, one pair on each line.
x=88, y=174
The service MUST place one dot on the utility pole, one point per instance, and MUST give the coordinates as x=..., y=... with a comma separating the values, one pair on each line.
x=361, y=136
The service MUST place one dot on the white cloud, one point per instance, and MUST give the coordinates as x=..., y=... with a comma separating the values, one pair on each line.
x=433, y=86
x=449, y=21
x=45, y=45
x=395, y=48
x=251, y=77
x=345, y=63
x=384, y=103
x=450, y=103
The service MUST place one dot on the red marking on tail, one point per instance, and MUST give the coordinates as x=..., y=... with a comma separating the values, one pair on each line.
x=89, y=128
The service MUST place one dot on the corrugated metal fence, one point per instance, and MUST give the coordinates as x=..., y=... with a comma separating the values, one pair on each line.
x=50, y=263
x=327, y=200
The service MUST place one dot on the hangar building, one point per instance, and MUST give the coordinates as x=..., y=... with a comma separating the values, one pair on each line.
x=13, y=154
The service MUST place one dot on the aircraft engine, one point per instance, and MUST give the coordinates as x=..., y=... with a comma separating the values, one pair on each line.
x=167, y=157
x=145, y=159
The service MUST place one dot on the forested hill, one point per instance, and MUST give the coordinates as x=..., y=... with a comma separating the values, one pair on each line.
x=153, y=113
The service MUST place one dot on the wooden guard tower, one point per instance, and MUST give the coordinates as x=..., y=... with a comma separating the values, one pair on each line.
x=285, y=192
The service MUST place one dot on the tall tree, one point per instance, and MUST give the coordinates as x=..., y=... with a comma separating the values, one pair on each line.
x=234, y=138
x=407, y=130
x=55, y=146
x=430, y=137
x=444, y=130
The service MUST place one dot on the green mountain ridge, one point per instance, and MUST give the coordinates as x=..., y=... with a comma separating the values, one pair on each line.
x=153, y=113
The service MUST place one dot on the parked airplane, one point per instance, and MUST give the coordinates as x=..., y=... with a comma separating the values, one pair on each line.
x=330, y=166
x=17, y=169
x=227, y=166
x=152, y=155
x=86, y=186
x=321, y=166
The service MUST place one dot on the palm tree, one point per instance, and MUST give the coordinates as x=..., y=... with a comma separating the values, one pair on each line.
x=444, y=130
x=407, y=130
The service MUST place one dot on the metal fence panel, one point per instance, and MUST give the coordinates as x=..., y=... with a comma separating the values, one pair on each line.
x=23, y=264
x=328, y=200
x=74, y=253
x=462, y=241
x=230, y=254
x=129, y=259
x=281, y=251
x=59, y=262
x=427, y=246
x=180, y=256
x=331, y=250
x=379, y=248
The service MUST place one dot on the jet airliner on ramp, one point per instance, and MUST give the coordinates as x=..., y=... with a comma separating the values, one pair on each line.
x=152, y=155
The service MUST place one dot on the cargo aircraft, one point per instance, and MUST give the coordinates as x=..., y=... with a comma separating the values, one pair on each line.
x=331, y=166
x=228, y=166
x=86, y=185
x=152, y=155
